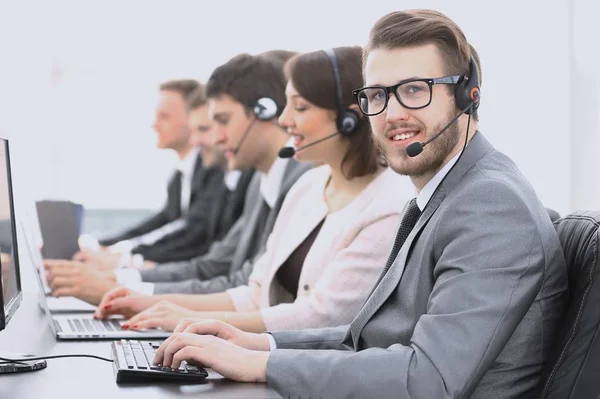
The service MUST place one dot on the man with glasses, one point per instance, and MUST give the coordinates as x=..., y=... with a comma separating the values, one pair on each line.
x=475, y=286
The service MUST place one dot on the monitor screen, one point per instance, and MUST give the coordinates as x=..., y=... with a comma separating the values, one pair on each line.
x=10, y=279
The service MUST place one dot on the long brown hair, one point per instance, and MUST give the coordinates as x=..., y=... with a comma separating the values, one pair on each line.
x=313, y=77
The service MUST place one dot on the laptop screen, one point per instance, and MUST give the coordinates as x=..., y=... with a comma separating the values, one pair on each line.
x=10, y=280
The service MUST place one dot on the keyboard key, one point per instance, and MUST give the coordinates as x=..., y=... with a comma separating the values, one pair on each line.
x=127, y=354
x=88, y=325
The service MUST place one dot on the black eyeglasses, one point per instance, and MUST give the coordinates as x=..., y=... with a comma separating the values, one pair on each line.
x=411, y=93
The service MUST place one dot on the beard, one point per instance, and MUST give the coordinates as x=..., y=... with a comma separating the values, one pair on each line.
x=430, y=160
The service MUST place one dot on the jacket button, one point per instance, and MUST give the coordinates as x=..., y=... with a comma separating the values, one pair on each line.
x=306, y=287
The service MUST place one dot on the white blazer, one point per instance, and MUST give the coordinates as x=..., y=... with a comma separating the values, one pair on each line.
x=344, y=262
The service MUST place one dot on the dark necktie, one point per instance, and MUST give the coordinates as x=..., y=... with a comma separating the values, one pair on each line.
x=409, y=220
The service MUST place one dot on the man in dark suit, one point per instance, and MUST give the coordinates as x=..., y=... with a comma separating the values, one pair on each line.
x=179, y=230
x=230, y=199
x=475, y=286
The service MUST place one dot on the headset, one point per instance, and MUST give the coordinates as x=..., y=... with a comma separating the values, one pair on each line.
x=347, y=120
x=467, y=92
x=265, y=109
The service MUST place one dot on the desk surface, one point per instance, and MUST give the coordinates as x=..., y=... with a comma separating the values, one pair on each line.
x=29, y=332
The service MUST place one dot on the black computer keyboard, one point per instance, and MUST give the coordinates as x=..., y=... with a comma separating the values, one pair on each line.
x=133, y=363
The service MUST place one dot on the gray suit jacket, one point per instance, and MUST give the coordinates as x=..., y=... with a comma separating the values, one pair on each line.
x=469, y=307
x=229, y=262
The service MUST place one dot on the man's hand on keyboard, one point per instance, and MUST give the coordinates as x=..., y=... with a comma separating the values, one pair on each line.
x=226, y=358
x=223, y=330
x=123, y=301
x=164, y=314
x=70, y=278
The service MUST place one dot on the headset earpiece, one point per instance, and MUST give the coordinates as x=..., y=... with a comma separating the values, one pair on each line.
x=265, y=109
x=347, y=120
x=468, y=90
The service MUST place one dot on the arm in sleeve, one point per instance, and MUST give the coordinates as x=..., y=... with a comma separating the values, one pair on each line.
x=193, y=238
x=214, y=285
x=486, y=239
x=345, y=284
x=155, y=222
x=216, y=262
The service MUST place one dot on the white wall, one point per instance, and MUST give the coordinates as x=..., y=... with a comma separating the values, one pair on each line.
x=585, y=105
x=90, y=134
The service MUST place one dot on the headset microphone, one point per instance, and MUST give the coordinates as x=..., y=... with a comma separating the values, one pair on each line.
x=237, y=148
x=288, y=152
x=416, y=148
x=265, y=109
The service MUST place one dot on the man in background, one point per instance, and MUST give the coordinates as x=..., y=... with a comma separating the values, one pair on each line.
x=179, y=230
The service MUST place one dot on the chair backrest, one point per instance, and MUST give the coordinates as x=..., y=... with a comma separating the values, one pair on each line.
x=573, y=368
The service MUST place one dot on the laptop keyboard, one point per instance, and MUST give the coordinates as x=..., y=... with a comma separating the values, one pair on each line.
x=133, y=360
x=92, y=325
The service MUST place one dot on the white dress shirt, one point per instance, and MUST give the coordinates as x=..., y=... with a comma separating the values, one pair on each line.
x=426, y=193
x=270, y=187
x=232, y=178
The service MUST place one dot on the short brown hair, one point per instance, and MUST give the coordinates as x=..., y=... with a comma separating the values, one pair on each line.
x=280, y=55
x=419, y=27
x=197, y=98
x=313, y=78
x=185, y=87
x=247, y=78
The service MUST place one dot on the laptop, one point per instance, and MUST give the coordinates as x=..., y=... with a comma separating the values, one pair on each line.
x=73, y=325
x=55, y=304
x=83, y=326
x=60, y=223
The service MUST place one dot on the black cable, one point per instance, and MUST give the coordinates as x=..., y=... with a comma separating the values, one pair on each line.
x=7, y=361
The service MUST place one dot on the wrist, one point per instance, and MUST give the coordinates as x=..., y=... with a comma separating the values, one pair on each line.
x=257, y=342
x=261, y=362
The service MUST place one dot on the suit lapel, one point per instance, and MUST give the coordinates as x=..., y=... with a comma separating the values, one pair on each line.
x=478, y=147
x=390, y=280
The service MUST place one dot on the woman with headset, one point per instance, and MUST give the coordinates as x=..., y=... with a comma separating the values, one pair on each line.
x=332, y=237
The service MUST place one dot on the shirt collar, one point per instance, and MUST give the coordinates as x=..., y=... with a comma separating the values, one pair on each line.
x=187, y=165
x=270, y=183
x=426, y=193
x=232, y=178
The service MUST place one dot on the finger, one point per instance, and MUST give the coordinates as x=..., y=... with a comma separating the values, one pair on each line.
x=205, y=327
x=159, y=355
x=61, y=282
x=151, y=322
x=178, y=343
x=192, y=353
x=60, y=264
x=62, y=270
x=112, y=295
x=183, y=325
x=120, y=306
x=142, y=316
x=49, y=263
x=65, y=291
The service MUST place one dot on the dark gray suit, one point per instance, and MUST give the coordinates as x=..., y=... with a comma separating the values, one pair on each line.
x=229, y=262
x=469, y=308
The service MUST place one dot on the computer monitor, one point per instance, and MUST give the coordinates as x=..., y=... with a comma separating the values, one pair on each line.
x=10, y=278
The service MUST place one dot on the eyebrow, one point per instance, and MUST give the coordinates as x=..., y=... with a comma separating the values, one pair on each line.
x=221, y=115
x=399, y=82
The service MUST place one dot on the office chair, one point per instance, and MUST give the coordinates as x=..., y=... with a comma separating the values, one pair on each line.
x=572, y=369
